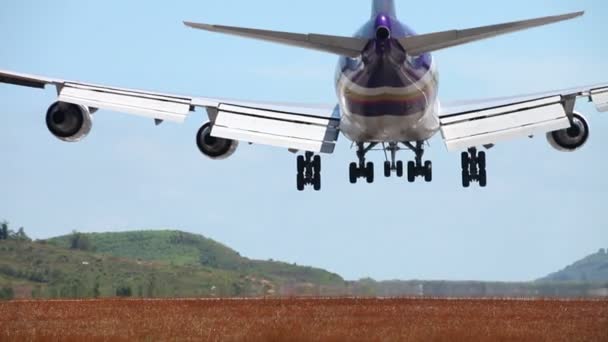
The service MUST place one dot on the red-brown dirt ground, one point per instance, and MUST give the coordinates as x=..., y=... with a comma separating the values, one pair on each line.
x=304, y=320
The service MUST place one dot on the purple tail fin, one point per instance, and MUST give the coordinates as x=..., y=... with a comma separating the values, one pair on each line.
x=383, y=7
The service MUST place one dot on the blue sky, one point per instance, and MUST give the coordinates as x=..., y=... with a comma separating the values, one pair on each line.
x=542, y=210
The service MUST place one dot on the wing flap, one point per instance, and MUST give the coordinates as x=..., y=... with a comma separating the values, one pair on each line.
x=492, y=125
x=155, y=106
x=600, y=99
x=268, y=127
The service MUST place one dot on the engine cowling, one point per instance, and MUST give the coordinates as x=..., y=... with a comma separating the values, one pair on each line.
x=212, y=147
x=69, y=122
x=573, y=138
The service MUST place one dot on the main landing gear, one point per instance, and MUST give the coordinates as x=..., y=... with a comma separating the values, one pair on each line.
x=474, y=168
x=415, y=169
x=362, y=169
x=418, y=168
x=309, y=171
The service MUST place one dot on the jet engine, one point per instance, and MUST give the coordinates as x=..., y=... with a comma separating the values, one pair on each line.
x=573, y=138
x=69, y=122
x=212, y=147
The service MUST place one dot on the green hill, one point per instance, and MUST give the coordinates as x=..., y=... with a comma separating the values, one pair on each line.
x=148, y=264
x=185, y=249
x=593, y=268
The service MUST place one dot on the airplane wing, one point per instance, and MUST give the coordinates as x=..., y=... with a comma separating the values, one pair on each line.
x=297, y=127
x=487, y=122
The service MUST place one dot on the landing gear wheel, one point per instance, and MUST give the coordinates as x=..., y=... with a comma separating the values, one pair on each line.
x=411, y=172
x=369, y=173
x=481, y=160
x=387, y=169
x=300, y=182
x=301, y=164
x=399, y=169
x=466, y=179
x=483, y=178
x=353, y=173
x=316, y=164
x=316, y=181
x=428, y=171
x=464, y=160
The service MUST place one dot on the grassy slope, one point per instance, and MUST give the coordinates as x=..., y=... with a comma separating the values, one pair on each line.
x=593, y=268
x=179, y=248
x=51, y=271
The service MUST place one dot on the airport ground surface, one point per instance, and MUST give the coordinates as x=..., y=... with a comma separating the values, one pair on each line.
x=304, y=320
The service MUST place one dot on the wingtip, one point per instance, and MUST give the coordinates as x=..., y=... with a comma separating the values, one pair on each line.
x=199, y=26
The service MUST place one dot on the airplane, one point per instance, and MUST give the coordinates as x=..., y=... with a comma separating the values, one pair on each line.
x=387, y=89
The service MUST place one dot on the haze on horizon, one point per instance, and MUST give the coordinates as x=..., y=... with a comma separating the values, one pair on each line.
x=541, y=211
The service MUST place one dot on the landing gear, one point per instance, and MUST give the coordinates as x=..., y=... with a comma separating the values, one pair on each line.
x=309, y=171
x=362, y=169
x=393, y=165
x=474, y=168
x=418, y=168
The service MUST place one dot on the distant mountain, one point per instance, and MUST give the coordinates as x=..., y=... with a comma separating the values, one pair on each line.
x=147, y=264
x=593, y=268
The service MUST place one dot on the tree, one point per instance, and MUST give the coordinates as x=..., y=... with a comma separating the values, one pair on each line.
x=4, y=230
x=7, y=293
x=80, y=241
x=21, y=236
x=124, y=291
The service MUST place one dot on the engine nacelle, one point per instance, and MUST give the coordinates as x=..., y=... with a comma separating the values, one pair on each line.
x=212, y=147
x=573, y=138
x=69, y=122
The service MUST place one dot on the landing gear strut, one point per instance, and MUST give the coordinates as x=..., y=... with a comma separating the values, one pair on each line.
x=474, y=168
x=417, y=168
x=309, y=171
x=362, y=169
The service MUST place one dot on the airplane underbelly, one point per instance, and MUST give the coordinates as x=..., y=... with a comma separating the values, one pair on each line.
x=419, y=126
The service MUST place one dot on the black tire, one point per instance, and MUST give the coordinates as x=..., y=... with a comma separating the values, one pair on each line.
x=387, y=169
x=316, y=163
x=483, y=178
x=300, y=181
x=481, y=160
x=301, y=164
x=369, y=172
x=400, y=169
x=466, y=179
x=411, y=172
x=464, y=161
x=353, y=173
x=428, y=171
x=316, y=181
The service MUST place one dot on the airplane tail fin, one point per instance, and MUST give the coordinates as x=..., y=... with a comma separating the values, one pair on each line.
x=416, y=45
x=383, y=7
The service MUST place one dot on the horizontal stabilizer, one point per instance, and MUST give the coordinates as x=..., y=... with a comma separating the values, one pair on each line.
x=416, y=45
x=343, y=46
